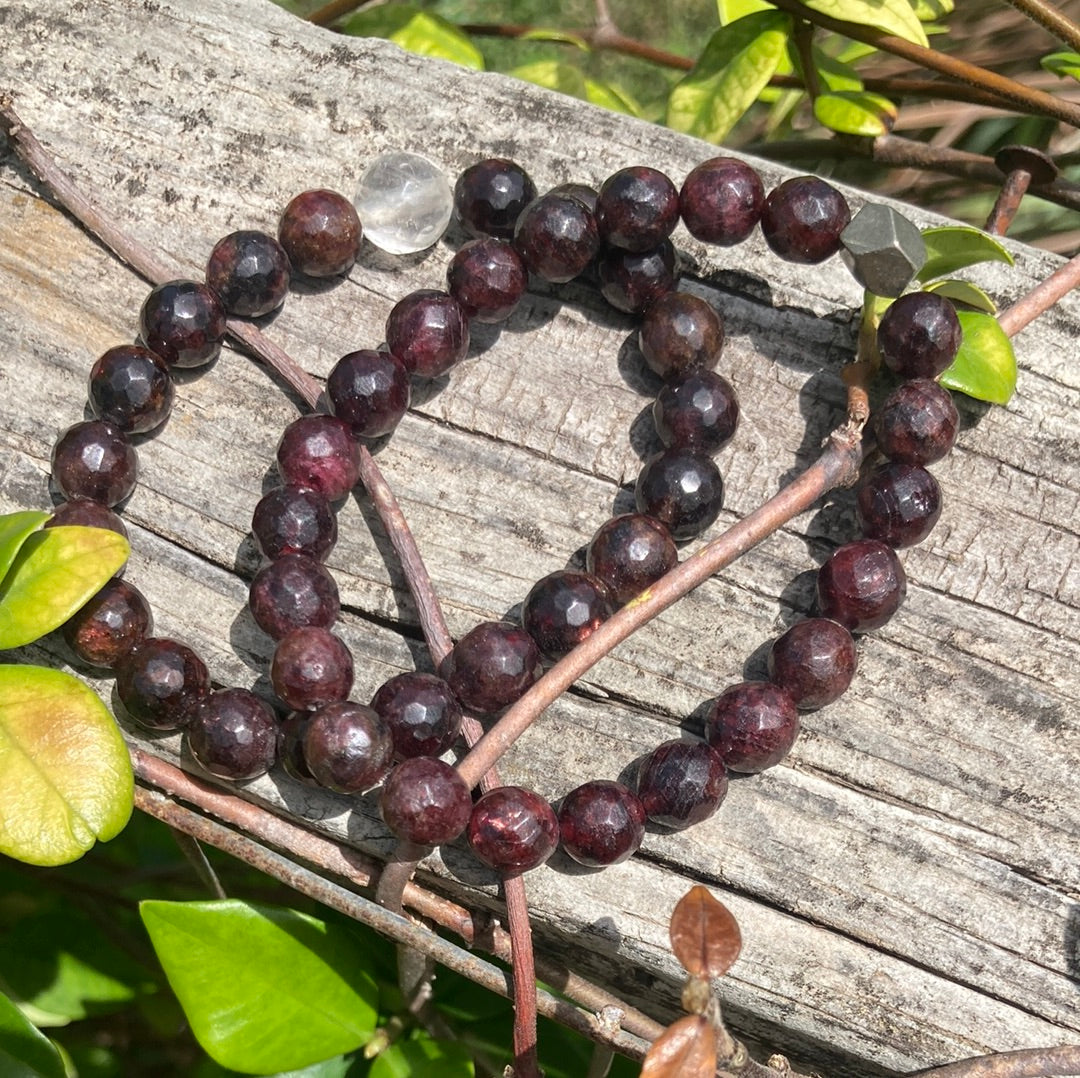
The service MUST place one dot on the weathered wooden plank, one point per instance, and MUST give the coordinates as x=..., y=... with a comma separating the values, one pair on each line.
x=907, y=883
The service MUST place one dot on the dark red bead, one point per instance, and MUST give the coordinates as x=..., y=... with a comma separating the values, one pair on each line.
x=347, y=747
x=428, y=331
x=682, y=489
x=814, y=661
x=369, y=391
x=513, y=829
x=492, y=665
x=321, y=233
x=234, y=735
x=681, y=783
x=630, y=281
x=601, y=823
x=488, y=278
x=861, y=585
x=130, y=387
x=563, y=609
x=557, y=237
x=319, y=452
x=103, y=631
x=721, y=201
x=919, y=335
x=629, y=553
x=422, y=713
x=585, y=194
x=294, y=520
x=161, y=683
x=637, y=208
x=424, y=800
x=311, y=667
x=679, y=333
x=697, y=410
x=802, y=219
x=249, y=271
x=292, y=592
x=917, y=422
x=899, y=504
x=489, y=195
x=183, y=322
x=752, y=725
x=94, y=460
x=82, y=512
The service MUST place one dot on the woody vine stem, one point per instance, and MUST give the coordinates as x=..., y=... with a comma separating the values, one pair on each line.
x=613, y=1024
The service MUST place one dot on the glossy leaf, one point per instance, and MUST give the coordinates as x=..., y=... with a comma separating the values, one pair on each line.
x=732, y=10
x=686, y=1049
x=985, y=366
x=891, y=16
x=560, y=37
x=568, y=79
x=955, y=247
x=423, y=1057
x=835, y=75
x=25, y=1052
x=64, y=768
x=736, y=65
x=54, y=573
x=417, y=31
x=264, y=989
x=963, y=292
x=855, y=113
x=15, y=529
x=1063, y=64
x=705, y=936
x=929, y=10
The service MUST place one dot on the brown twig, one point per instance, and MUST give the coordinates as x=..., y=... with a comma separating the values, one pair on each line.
x=525, y=999
x=1052, y=19
x=1028, y=1063
x=334, y=10
x=1041, y=298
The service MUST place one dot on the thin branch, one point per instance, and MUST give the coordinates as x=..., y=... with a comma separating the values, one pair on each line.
x=1028, y=1063
x=1041, y=298
x=1052, y=19
x=334, y=10
x=525, y=989
x=196, y=855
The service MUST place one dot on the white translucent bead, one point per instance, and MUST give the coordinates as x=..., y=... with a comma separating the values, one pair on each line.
x=404, y=202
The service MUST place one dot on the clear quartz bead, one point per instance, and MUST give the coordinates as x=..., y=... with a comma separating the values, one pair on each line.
x=404, y=202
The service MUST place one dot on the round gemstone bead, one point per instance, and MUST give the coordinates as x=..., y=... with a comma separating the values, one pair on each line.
x=681, y=783
x=919, y=335
x=637, y=208
x=234, y=735
x=130, y=387
x=293, y=592
x=752, y=725
x=404, y=202
x=917, y=422
x=563, y=609
x=291, y=746
x=802, y=219
x=492, y=665
x=424, y=800
x=697, y=410
x=321, y=233
x=861, y=585
x=899, y=504
x=161, y=683
x=814, y=661
x=513, y=829
x=311, y=667
x=585, y=194
x=721, y=201
x=489, y=196
x=369, y=391
x=601, y=823
x=183, y=322
x=82, y=512
x=488, y=278
x=679, y=333
x=319, y=452
x=422, y=713
x=428, y=331
x=249, y=271
x=94, y=460
x=103, y=631
x=557, y=237
x=682, y=489
x=346, y=747
x=629, y=553
x=630, y=280
x=294, y=520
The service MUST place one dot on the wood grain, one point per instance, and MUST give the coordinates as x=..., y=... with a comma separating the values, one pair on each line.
x=907, y=882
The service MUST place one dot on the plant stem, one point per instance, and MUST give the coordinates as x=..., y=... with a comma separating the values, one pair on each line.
x=1041, y=298
x=196, y=855
x=525, y=989
x=1052, y=19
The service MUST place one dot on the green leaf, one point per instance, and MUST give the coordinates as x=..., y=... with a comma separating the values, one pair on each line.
x=735, y=67
x=553, y=75
x=65, y=772
x=608, y=95
x=985, y=366
x=890, y=16
x=834, y=74
x=559, y=37
x=929, y=10
x=963, y=292
x=15, y=529
x=25, y=1052
x=732, y=10
x=54, y=573
x=1063, y=64
x=264, y=989
x=855, y=113
x=955, y=247
x=416, y=31
x=423, y=1057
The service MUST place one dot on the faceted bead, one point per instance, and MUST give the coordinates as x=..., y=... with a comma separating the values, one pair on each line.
x=130, y=387
x=369, y=391
x=697, y=410
x=721, y=201
x=630, y=281
x=919, y=335
x=752, y=725
x=883, y=249
x=861, y=585
x=899, y=504
x=681, y=783
x=249, y=271
x=917, y=422
x=85, y=513
x=637, y=209
x=292, y=592
x=94, y=460
x=311, y=667
x=347, y=747
x=489, y=196
x=428, y=331
x=319, y=452
x=161, y=683
x=513, y=829
x=321, y=233
x=422, y=713
x=814, y=661
x=291, y=746
x=803, y=218
x=680, y=332
x=183, y=322
x=585, y=194
x=103, y=631
x=557, y=237
x=488, y=278
x=424, y=800
x=601, y=823
x=294, y=520
x=492, y=665
x=234, y=735
x=563, y=609
x=629, y=553
x=682, y=489
x=404, y=202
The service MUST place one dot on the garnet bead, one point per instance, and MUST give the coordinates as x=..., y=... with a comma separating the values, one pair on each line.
x=428, y=331
x=488, y=278
x=681, y=783
x=814, y=661
x=682, y=489
x=629, y=553
x=294, y=520
x=492, y=665
x=85, y=513
x=637, y=209
x=601, y=823
x=861, y=585
x=369, y=391
x=513, y=829
x=489, y=195
x=319, y=452
x=94, y=460
x=161, y=683
x=422, y=713
x=103, y=631
x=424, y=800
x=130, y=387
x=752, y=725
x=697, y=410
x=563, y=609
x=557, y=237
x=899, y=504
x=917, y=422
x=680, y=332
x=802, y=219
x=919, y=335
x=721, y=201
x=249, y=271
x=183, y=322
x=311, y=667
x=630, y=281
x=292, y=592
x=321, y=233
x=346, y=747
x=234, y=735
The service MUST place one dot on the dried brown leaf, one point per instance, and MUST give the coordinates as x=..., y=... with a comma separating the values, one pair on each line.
x=704, y=934
x=686, y=1049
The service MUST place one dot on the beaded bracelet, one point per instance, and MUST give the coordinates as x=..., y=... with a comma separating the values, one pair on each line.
x=619, y=234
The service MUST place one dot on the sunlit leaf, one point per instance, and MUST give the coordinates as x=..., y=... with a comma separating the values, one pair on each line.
x=686, y=1049
x=736, y=65
x=423, y=1057
x=955, y=247
x=705, y=936
x=553, y=75
x=1063, y=64
x=891, y=16
x=264, y=989
x=855, y=113
x=55, y=572
x=929, y=10
x=985, y=366
x=609, y=95
x=561, y=37
x=963, y=292
x=25, y=1052
x=418, y=31
x=65, y=772
x=835, y=75
x=732, y=10
x=15, y=529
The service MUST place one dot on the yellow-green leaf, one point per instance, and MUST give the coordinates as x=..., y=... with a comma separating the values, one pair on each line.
x=608, y=95
x=855, y=112
x=985, y=366
x=25, y=1052
x=64, y=768
x=732, y=10
x=55, y=572
x=955, y=247
x=929, y=10
x=561, y=37
x=890, y=16
x=1062, y=64
x=834, y=74
x=553, y=75
x=418, y=31
x=736, y=65
x=15, y=529
x=963, y=292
